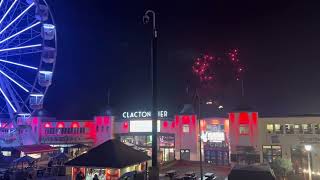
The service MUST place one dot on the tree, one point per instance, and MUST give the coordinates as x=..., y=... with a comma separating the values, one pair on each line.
x=281, y=167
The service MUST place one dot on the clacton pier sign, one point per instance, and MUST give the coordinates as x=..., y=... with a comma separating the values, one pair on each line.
x=143, y=114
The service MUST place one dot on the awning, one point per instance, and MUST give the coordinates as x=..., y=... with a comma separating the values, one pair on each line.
x=36, y=148
x=110, y=154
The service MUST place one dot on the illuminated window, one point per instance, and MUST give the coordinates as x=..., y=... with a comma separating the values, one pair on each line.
x=317, y=128
x=289, y=128
x=306, y=128
x=297, y=129
x=244, y=129
x=278, y=129
x=270, y=153
x=270, y=128
x=185, y=128
x=6, y=153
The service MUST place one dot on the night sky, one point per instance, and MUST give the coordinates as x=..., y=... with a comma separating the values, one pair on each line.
x=104, y=44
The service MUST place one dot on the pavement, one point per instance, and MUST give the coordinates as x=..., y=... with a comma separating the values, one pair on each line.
x=181, y=167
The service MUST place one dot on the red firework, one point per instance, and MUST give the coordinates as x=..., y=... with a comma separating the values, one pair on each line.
x=205, y=67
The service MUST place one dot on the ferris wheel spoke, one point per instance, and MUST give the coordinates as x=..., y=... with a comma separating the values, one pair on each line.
x=7, y=12
x=7, y=99
x=1, y=2
x=18, y=78
x=20, y=47
x=16, y=34
x=21, y=14
x=14, y=81
x=18, y=64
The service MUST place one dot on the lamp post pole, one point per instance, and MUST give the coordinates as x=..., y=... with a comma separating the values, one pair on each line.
x=154, y=175
x=308, y=149
x=200, y=140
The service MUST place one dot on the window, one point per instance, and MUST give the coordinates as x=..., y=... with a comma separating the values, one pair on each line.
x=244, y=129
x=270, y=128
x=97, y=129
x=6, y=153
x=271, y=153
x=297, y=129
x=306, y=128
x=317, y=128
x=289, y=128
x=102, y=128
x=185, y=128
x=278, y=129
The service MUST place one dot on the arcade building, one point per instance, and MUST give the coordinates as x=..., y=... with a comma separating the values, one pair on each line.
x=241, y=136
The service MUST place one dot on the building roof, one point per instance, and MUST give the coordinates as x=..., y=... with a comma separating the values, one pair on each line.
x=251, y=172
x=110, y=154
x=36, y=148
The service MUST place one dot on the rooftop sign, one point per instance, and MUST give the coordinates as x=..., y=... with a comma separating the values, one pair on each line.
x=143, y=114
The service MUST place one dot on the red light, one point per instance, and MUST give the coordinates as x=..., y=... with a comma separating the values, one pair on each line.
x=173, y=124
x=60, y=125
x=243, y=118
x=231, y=117
x=125, y=125
x=47, y=125
x=75, y=125
x=255, y=117
x=193, y=119
x=177, y=120
x=185, y=119
x=165, y=124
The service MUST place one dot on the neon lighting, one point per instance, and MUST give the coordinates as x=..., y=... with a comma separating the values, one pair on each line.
x=193, y=119
x=255, y=118
x=8, y=100
x=25, y=29
x=22, y=13
x=45, y=72
x=18, y=64
x=24, y=114
x=1, y=3
x=36, y=95
x=177, y=120
x=4, y=16
x=14, y=81
x=20, y=47
x=48, y=26
x=47, y=125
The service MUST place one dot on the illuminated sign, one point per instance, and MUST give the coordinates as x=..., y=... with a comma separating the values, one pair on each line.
x=143, y=126
x=213, y=137
x=143, y=114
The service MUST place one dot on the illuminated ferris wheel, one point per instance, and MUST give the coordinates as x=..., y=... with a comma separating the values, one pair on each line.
x=27, y=56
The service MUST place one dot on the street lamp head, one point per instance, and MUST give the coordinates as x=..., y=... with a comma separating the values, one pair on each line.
x=307, y=147
x=146, y=19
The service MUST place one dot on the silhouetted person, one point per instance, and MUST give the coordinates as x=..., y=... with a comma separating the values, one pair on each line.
x=95, y=177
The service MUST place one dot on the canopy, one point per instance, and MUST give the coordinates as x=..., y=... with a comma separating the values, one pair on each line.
x=252, y=172
x=110, y=154
x=36, y=148
x=24, y=159
x=61, y=156
x=79, y=146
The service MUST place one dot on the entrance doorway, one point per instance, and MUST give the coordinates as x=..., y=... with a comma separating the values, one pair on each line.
x=185, y=154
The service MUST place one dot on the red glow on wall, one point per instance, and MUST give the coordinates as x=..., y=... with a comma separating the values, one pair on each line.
x=165, y=124
x=243, y=118
x=47, y=125
x=35, y=121
x=231, y=117
x=177, y=120
x=60, y=125
x=185, y=119
x=75, y=125
x=106, y=119
x=193, y=119
x=255, y=118
x=125, y=125
x=173, y=125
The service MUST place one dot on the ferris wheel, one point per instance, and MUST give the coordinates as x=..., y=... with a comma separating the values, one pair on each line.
x=28, y=49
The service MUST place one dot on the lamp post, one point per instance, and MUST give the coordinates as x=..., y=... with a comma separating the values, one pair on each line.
x=154, y=112
x=308, y=148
